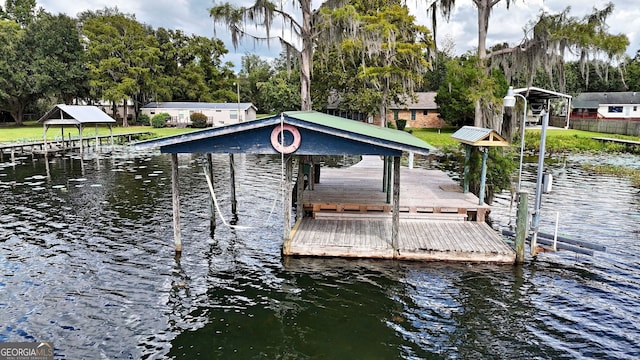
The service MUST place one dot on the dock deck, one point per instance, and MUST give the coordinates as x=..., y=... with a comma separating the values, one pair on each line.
x=351, y=218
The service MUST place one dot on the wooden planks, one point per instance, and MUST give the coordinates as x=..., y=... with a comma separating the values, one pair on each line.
x=418, y=240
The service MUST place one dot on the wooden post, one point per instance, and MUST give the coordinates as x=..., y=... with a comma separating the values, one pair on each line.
x=175, y=190
x=384, y=173
x=232, y=179
x=288, y=163
x=521, y=225
x=389, y=162
x=483, y=175
x=312, y=173
x=395, y=225
x=212, y=221
x=97, y=139
x=300, y=189
x=81, y=142
x=467, y=159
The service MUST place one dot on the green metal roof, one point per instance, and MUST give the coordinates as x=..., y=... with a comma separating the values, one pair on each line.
x=320, y=134
x=356, y=127
x=477, y=136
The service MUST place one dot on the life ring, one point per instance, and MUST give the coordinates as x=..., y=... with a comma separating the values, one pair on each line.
x=279, y=145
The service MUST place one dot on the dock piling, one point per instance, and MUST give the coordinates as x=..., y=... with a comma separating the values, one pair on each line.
x=212, y=220
x=175, y=190
x=232, y=179
x=521, y=225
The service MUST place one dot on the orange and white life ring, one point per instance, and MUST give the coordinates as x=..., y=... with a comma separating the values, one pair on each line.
x=278, y=143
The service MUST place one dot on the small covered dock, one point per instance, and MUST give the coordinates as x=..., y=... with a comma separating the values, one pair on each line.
x=364, y=211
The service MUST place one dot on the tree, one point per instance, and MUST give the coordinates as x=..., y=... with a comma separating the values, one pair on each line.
x=372, y=51
x=121, y=55
x=543, y=47
x=262, y=14
x=254, y=72
x=21, y=11
x=43, y=60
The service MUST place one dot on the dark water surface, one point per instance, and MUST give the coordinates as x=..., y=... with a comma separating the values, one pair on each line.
x=87, y=262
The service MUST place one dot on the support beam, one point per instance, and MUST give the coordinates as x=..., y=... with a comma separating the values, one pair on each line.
x=483, y=175
x=175, y=190
x=212, y=206
x=300, y=189
x=288, y=175
x=232, y=179
x=467, y=159
x=395, y=225
x=521, y=225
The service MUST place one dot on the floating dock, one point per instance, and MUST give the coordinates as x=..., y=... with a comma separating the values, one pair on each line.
x=350, y=217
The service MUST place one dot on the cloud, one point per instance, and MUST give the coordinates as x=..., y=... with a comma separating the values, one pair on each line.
x=192, y=17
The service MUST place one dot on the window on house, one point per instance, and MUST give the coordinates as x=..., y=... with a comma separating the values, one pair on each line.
x=233, y=114
x=395, y=115
x=413, y=114
x=425, y=112
x=615, y=109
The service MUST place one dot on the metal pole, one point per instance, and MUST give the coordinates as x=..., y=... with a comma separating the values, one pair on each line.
x=536, y=210
x=521, y=225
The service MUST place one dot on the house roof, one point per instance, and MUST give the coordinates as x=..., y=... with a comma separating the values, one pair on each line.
x=424, y=100
x=589, y=99
x=198, y=105
x=62, y=114
x=317, y=134
x=536, y=93
x=477, y=136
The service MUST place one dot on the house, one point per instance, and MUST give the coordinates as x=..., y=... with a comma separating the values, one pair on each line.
x=217, y=113
x=421, y=113
x=612, y=113
x=602, y=105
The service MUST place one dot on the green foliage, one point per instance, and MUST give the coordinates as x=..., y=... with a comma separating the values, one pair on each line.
x=43, y=60
x=401, y=124
x=198, y=120
x=160, y=120
x=144, y=120
x=621, y=171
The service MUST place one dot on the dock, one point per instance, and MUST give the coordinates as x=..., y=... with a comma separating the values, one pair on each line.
x=350, y=217
x=629, y=144
x=39, y=147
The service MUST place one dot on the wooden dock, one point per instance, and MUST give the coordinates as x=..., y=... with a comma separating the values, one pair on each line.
x=39, y=147
x=350, y=217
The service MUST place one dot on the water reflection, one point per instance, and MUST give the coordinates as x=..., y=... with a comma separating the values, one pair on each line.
x=87, y=262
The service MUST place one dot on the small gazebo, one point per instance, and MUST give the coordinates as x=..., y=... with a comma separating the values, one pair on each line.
x=482, y=138
x=78, y=116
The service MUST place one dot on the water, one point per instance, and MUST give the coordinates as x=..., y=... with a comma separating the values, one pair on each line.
x=87, y=261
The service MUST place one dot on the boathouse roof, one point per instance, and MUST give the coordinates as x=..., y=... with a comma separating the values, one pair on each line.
x=312, y=133
x=477, y=136
x=62, y=114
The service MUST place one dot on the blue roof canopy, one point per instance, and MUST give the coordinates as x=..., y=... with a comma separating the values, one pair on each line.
x=305, y=133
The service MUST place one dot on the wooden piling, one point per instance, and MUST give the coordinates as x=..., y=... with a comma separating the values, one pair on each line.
x=483, y=175
x=288, y=175
x=175, y=190
x=232, y=179
x=467, y=159
x=300, y=189
x=395, y=222
x=212, y=210
x=521, y=225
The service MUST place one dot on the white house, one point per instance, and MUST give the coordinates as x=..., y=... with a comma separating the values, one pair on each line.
x=217, y=114
x=607, y=105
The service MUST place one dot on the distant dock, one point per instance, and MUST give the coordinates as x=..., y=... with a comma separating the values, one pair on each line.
x=39, y=147
x=350, y=217
x=629, y=144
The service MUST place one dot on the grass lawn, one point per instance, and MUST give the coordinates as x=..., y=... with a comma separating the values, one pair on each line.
x=32, y=131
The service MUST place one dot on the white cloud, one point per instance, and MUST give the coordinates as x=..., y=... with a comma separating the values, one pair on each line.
x=192, y=16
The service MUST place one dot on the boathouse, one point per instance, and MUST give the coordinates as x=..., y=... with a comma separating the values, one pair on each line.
x=373, y=210
x=78, y=116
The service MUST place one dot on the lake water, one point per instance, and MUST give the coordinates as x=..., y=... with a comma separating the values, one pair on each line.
x=87, y=262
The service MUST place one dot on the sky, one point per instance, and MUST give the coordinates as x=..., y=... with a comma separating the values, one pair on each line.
x=192, y=17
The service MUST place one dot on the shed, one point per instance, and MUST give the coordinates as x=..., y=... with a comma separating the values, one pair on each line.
x=298, y=133
x=482, y=138
x=78, y=116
